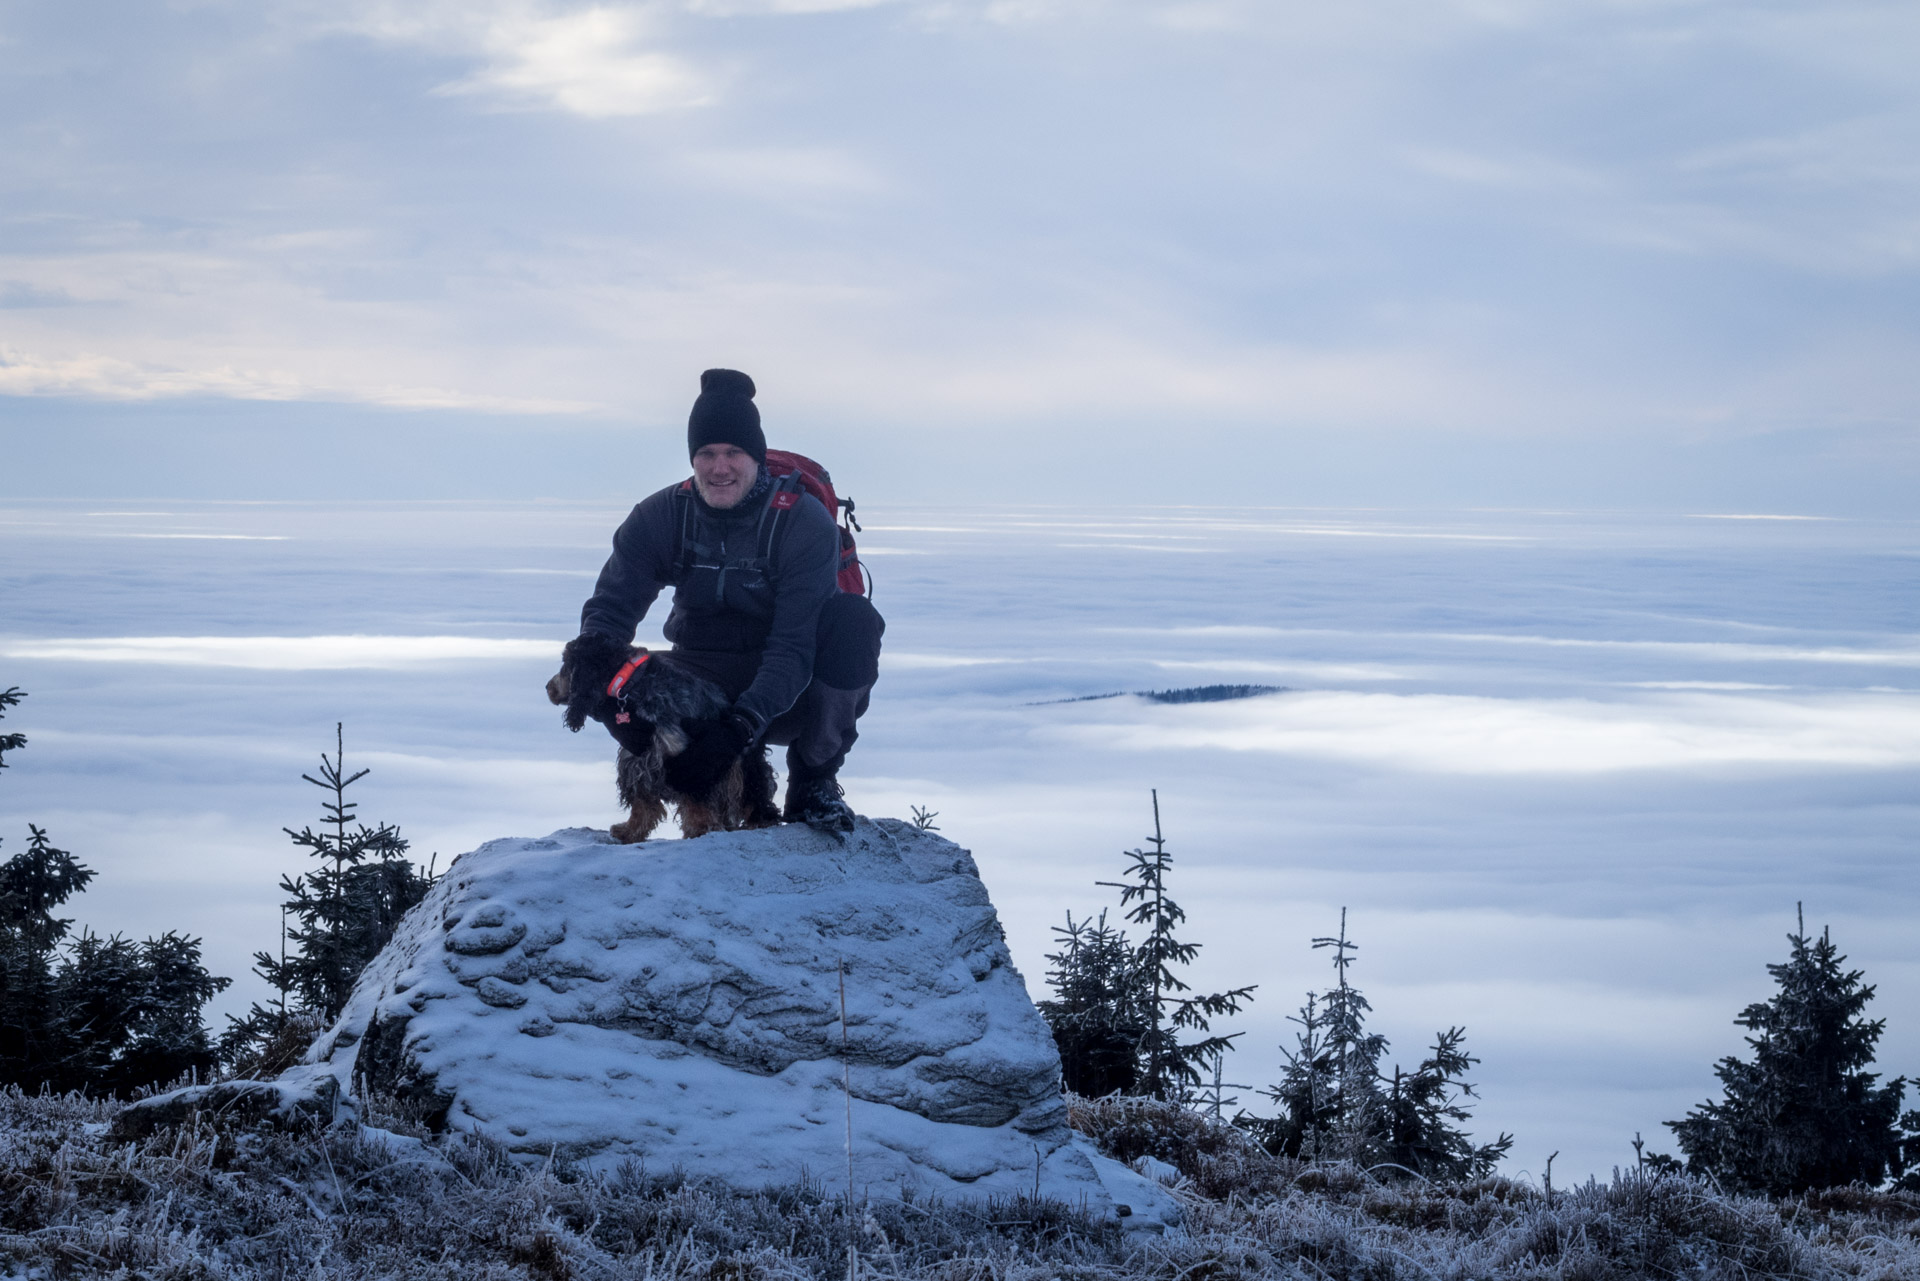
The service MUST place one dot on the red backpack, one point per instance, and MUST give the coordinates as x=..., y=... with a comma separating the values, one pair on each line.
x=813, y=479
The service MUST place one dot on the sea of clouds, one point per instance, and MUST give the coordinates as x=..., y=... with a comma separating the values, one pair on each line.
x=1568, y=772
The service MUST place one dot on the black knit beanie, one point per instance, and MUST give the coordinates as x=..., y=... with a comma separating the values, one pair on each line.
x=724, y=414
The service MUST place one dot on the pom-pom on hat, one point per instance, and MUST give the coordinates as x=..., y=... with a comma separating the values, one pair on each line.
x=724, y=414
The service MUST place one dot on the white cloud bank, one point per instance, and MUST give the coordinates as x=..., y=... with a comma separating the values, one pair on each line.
x=101, y=376
x=1703, y=651
x=283, y=653
x=1463, y=734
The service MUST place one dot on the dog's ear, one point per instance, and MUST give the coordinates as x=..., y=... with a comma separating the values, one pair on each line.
x=588, y=663
x=592, y=651
x=576, y=714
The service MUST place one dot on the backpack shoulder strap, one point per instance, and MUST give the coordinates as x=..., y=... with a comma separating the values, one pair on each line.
x=786, y=492
x=683, y=512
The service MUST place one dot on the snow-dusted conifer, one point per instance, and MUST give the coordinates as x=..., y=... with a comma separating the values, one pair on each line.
x=1418, y=1112
x=1119, y=1009
x=1354, y=1052
x=1169, y=1066
x=1804, y=1112
x=1098, y=1014
x=108, y=1017
x=1336, y=1103
x=1329, y=1090
x=130, y=1013
x=12, y=742
x=32, y=885
x=344, y=912
x=1308, y=1090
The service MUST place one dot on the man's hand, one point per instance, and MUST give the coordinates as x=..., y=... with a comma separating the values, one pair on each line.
x=712, y=746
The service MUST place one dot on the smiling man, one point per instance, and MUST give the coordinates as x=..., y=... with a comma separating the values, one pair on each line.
x=757, y=609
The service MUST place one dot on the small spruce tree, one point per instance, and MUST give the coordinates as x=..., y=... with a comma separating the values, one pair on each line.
x=1418, y=1112
x=34, y=1043
x=10, y=697
x=1098, y=1014
x=104, y=1016
x=130, y=1013
x=1355, y=1051
x=1119, y=1008
x=1308, y=1091
x=1329, y=1089
x=343, y=912
x=31, y=886
x=1169, y=1066
x=1337, y=1104
x=1804, y=1112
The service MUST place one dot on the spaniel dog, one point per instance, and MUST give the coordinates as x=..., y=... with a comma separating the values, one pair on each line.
x=647, y=703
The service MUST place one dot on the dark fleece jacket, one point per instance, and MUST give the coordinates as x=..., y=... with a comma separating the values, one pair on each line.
x=736, y=611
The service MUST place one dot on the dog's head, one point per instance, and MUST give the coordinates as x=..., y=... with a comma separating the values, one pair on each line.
x=587, y=664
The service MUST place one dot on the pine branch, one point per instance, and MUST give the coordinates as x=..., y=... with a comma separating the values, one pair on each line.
x=10, y=697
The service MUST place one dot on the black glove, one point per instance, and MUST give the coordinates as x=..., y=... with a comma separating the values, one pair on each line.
x=712, y=746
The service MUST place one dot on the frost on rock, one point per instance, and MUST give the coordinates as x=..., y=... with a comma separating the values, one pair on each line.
x=678, y=1004
x=286, y=1105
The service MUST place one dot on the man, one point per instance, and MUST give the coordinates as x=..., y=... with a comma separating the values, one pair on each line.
x=756, y=607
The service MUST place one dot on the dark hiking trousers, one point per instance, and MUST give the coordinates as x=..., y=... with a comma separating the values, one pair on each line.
x=819, y=728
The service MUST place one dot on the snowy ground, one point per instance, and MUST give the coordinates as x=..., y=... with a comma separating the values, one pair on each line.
x=1569, y=771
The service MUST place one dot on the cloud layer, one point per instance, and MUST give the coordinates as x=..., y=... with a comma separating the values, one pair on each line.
x=1568, y=772
x=279, y=653
x=1453, y=734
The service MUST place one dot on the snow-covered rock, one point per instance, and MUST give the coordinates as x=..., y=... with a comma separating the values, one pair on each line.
x=678, y=1003
x=292, y=1105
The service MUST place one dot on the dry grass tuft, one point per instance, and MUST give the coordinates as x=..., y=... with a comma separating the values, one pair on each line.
x=215, y=1200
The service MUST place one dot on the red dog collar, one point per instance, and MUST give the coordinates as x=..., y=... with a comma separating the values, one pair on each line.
x=625, y=674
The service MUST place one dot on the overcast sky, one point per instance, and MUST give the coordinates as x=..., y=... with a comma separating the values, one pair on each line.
x=1631, y=252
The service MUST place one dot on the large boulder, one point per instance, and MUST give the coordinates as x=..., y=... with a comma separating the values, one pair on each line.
x=679, y=1004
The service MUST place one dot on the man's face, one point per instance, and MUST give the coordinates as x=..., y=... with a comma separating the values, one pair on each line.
x=723, y=474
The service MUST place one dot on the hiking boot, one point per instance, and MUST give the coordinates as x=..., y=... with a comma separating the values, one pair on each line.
x=818, y=802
